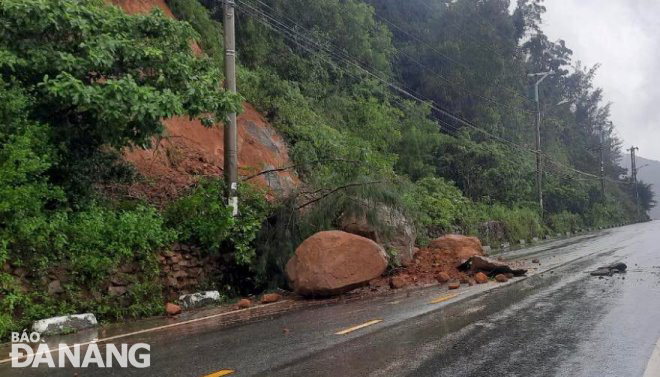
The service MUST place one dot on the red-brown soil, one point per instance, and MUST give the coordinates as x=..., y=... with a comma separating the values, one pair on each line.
x=429, y=262
x=141, y=6
x=189, y=151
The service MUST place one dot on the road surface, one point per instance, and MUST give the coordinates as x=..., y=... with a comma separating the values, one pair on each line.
x=560, y=321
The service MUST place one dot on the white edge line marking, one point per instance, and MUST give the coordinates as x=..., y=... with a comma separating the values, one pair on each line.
x=653, y=367
x=4, y=361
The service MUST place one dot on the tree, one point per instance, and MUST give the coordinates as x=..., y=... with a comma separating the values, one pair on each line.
x=646, y=196
x=102, y=80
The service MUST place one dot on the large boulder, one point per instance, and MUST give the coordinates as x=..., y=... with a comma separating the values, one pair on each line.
x=461, y=247
x=333, y=262
x=395, y=231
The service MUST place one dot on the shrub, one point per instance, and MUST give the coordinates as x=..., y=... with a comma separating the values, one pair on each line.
x=564, y=222
x=99, y=239
x=440, y=206
x=100, y=78
x=203, y=218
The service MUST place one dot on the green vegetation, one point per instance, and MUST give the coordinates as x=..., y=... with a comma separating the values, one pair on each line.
x=81, y=80
x=210, y=32
x=202, y=218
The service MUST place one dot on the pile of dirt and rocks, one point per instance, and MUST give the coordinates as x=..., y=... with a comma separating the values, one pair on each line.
x=452, y=259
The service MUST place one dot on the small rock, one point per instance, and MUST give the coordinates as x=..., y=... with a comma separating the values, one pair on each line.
x=464, y=279
x=536, y=261
x=471, y=282
x=443, y=277
x=119, y=281
x=509, y=275
x=397, y=282
x=619, y=267
x=244, y=303
x=269, y=298
x=454, y=284
x=116, y=291
x=501, y=278
x=481, y=278
x=20, y=272
x=55, y=287
x=172, y=309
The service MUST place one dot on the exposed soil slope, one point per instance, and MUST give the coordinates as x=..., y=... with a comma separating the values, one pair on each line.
x=188, y=150
x=142, y=6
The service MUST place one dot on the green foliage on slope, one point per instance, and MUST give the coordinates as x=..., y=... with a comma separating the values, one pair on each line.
x=80, y=80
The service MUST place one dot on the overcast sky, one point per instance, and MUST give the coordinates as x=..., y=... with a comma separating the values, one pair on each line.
x=624, y=36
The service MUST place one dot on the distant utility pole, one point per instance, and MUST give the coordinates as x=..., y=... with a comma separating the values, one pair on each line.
x=602, y=163
x=539, y=165
x=230, y=138
x=633, y=172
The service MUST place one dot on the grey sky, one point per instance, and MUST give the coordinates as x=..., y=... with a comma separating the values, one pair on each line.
x=624, y=36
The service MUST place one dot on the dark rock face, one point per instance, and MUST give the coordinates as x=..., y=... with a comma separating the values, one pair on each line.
x=401, y=237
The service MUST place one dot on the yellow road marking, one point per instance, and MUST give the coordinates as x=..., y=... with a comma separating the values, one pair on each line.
x=351, y=329
x=443, y=299
x=224, y=372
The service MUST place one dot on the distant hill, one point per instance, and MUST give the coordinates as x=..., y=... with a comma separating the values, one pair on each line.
x=649, y=172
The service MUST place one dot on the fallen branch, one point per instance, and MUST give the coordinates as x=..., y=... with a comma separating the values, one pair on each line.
x=295, y=166
x=336, y=190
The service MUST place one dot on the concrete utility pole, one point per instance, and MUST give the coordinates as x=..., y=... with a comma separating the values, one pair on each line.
x=633, y=172
x=539, y=165
x=231, y=139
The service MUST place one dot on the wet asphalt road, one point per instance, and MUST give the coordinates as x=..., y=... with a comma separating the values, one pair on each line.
x=558, y=322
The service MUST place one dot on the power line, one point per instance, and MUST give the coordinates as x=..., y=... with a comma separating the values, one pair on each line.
x=445, y=56
x=461, y=87
x=405, y=91
x=291, y=34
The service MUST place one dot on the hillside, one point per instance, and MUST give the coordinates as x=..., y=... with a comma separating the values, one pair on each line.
x=399, y=121
x=649, y=172
x=188, y=151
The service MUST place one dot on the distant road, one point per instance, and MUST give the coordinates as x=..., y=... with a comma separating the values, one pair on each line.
x=558, y=322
